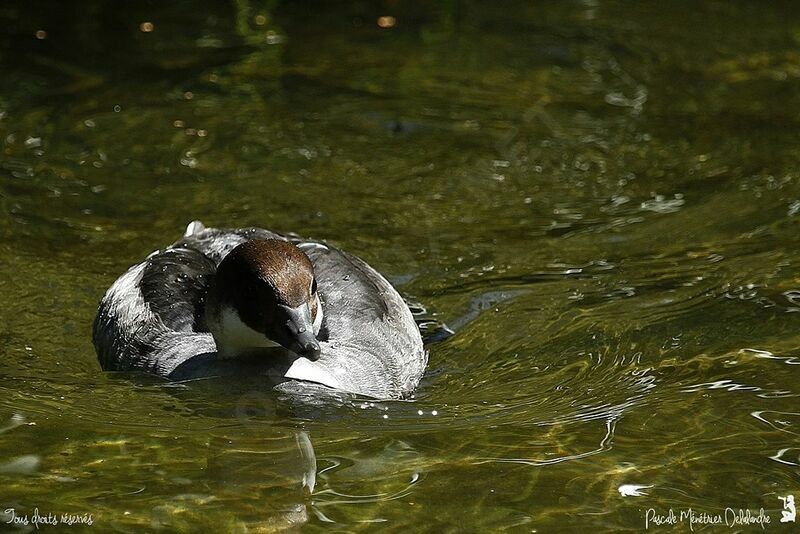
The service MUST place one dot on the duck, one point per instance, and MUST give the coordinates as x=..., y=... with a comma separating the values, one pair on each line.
x=253, y=302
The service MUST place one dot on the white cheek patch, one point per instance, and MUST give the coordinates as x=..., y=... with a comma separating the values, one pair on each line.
x=234, y=336
x=318, y=319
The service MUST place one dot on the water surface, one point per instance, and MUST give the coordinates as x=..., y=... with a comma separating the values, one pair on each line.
x=600, y=198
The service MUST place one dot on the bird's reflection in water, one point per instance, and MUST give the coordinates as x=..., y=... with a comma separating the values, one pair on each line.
x=277, y=466
x=278, y=471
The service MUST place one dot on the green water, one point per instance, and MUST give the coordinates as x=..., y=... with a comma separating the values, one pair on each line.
x=602, y=199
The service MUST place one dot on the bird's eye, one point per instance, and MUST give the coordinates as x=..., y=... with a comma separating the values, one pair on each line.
x=314, y=286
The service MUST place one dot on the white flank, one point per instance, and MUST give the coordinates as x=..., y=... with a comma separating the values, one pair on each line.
x=304, y=369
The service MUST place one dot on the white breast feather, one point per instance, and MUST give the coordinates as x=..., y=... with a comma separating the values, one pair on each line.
x=234, y=336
